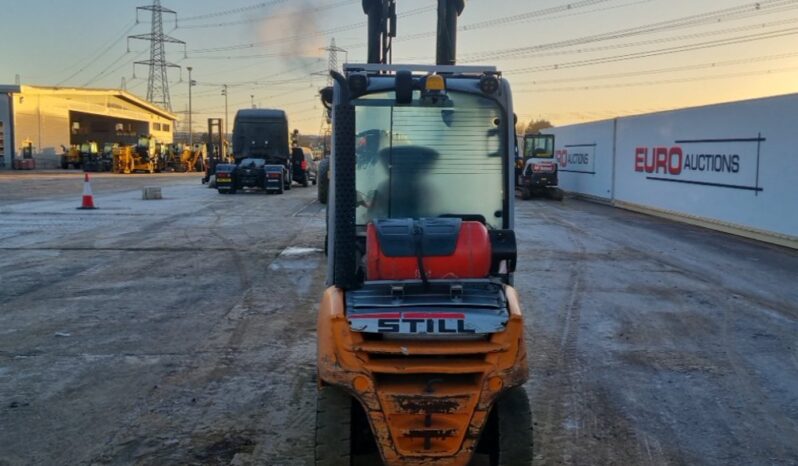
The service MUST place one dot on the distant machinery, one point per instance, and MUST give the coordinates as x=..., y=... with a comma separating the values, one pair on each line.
x=332, y=65
x=158, y=83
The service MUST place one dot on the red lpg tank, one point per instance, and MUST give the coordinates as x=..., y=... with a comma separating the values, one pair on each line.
x=450, y=249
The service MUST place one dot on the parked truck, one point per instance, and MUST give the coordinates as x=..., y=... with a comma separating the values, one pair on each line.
x=263, y=134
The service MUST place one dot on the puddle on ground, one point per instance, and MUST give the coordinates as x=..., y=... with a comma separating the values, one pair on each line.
x=294, y=251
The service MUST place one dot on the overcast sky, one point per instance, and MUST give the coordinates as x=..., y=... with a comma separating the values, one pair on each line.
x=568, y=61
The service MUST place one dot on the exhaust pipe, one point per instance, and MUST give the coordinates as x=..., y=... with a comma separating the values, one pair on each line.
x=374, y=10
x=448, y=12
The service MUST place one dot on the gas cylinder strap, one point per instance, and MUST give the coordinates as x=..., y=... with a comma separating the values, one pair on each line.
x=418, y=233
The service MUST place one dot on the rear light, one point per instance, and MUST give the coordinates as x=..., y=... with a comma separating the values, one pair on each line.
x=274, y=175
x=304, y=165
x=223, y=175
x=542, y=167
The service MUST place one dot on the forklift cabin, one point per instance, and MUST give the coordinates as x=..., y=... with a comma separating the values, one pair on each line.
x=421, y=325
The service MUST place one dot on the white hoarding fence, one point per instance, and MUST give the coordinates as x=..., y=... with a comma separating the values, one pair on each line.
x=733, y=167
x=585, y=159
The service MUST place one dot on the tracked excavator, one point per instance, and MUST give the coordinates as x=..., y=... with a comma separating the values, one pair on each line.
x=421, y=354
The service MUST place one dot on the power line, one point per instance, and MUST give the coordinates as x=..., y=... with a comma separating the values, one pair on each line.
x=660, y=82
x=108, y=71
x=471, y=27
x=102, y=53
x=467, y=28
x=317, y=9
x=281, y=84
x=531, y=14
x=744, y=11
x=701, y=66
x=246, y=57
x=759, y=26
x=233, y=11
x=263, y=80
x=267, y=98
x=652, y=53
x=77, y=63
x=328, y=32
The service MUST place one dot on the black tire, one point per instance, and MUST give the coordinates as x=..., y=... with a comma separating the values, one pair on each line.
x=333, y=427
x=526, y=193
x=323, y=182
x=557, y=194
x=314, y=181
x=512, y=426
x=305, y=183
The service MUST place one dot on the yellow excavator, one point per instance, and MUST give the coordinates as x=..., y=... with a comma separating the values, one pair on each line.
x=142, y=157
x=182, y=159
x=70, y=157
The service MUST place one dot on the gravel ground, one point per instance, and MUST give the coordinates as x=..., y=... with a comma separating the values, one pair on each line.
x=181, y=331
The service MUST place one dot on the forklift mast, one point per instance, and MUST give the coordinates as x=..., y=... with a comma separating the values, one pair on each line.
x=381, y=29
x=382, y=25
x=215, y=145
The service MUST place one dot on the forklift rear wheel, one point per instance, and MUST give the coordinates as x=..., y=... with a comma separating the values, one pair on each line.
x=333, y=427
x=508, y=435
x=322, y=193
x=526, y=194
x=557, y=194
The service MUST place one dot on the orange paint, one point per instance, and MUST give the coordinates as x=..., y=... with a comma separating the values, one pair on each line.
x=427, y=401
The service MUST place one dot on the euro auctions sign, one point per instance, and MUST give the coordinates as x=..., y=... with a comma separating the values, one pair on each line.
x=719, y=163
x=577, y=158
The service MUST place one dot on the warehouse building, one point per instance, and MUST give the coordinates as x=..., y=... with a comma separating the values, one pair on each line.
x=50, y=119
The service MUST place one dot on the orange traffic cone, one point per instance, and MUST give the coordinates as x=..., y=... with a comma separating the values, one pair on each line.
x=88, y=197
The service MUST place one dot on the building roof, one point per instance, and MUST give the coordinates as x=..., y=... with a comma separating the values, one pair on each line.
x=8, y=88
x=78, y=91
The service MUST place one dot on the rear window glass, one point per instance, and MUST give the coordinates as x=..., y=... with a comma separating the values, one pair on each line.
x=257, y=163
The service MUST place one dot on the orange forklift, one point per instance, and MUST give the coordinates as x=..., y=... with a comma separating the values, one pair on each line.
x=421, y=354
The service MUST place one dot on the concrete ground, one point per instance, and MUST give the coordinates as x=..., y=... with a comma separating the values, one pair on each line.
x=181, y=331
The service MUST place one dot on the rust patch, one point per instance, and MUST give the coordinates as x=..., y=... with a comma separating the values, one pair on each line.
x=416, y=404
x=431, y=433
